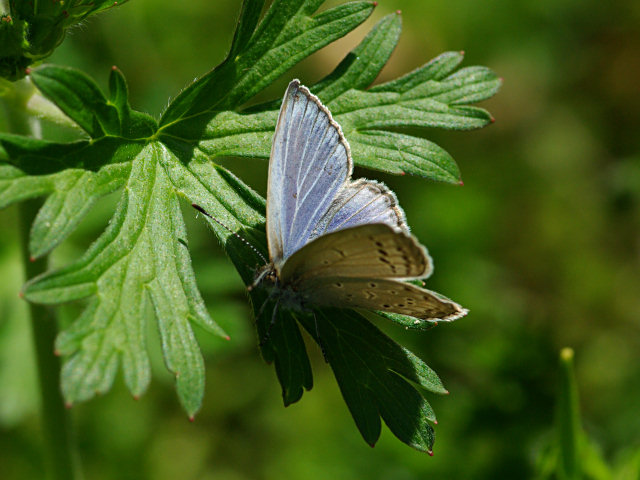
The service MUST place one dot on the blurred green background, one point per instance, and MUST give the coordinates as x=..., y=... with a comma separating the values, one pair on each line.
x=542, y=244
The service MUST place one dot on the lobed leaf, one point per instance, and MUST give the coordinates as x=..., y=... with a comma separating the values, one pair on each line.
x=287, y=34
x=373, y=373
x=429, y=97
x=142, y=251
x=72, y=198
x=363, y=64
x=80, y=98
x=139, y=268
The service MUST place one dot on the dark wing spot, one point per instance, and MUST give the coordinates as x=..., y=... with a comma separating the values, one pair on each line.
x=373, y=285
x=339, y=285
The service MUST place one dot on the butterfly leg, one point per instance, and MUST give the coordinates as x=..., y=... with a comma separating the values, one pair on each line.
x=262, y=307
x=319, y=339
x=267, y=334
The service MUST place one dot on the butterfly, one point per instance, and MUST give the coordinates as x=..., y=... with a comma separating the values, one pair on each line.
x=334, y=241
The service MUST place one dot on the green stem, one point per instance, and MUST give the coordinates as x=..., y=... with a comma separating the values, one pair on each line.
x=569, y=429
x=59, y=452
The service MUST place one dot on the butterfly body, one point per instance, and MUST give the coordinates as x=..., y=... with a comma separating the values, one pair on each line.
x=334, y=241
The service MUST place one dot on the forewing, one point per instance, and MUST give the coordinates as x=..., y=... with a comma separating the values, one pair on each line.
x=359, y=203
x=380, y=294
x=366, y=251
x=310, y=162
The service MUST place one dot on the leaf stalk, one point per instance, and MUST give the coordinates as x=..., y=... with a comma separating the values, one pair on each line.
x=58, y=448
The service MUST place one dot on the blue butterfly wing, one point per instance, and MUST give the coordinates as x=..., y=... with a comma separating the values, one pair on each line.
x=310, y=164
x=359, y=203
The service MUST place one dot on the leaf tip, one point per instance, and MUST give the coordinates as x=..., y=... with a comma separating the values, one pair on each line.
x=227, y=337
x=32, y=259
x=68, y=405
x=375, y=4
x=114, y=68
x=430, y=452
x=372, y=444
x=136, y=397
x=21, y=294
x=27, y=71
x=56, y=352
x=435, y=422
x=192, y=418
x=461, y=183
x=462, y=52
x=447, y=392
x=398, y=12
x=492, y=119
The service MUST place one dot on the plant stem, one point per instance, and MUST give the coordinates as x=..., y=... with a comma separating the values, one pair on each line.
x=59, y=456
x=569, y=429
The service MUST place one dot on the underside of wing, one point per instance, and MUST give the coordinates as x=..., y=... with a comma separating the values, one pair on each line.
x=366, y=251
x=360, y=202
x=310, y=162
x=380, y=294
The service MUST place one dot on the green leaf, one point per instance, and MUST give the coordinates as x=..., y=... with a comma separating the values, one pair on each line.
x=429, y=97
x=287, y=34
x=141, y=257
x=363, y=64
x=34, y=156
x=247, y=21
x=74, y=196
x=436, y=69
x=399, y=153
x=139, y=267
x=286, y=348
x=81, y=99
x=375, y=376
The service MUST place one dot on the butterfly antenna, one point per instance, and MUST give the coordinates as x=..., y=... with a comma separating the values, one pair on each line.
x=238, y=236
